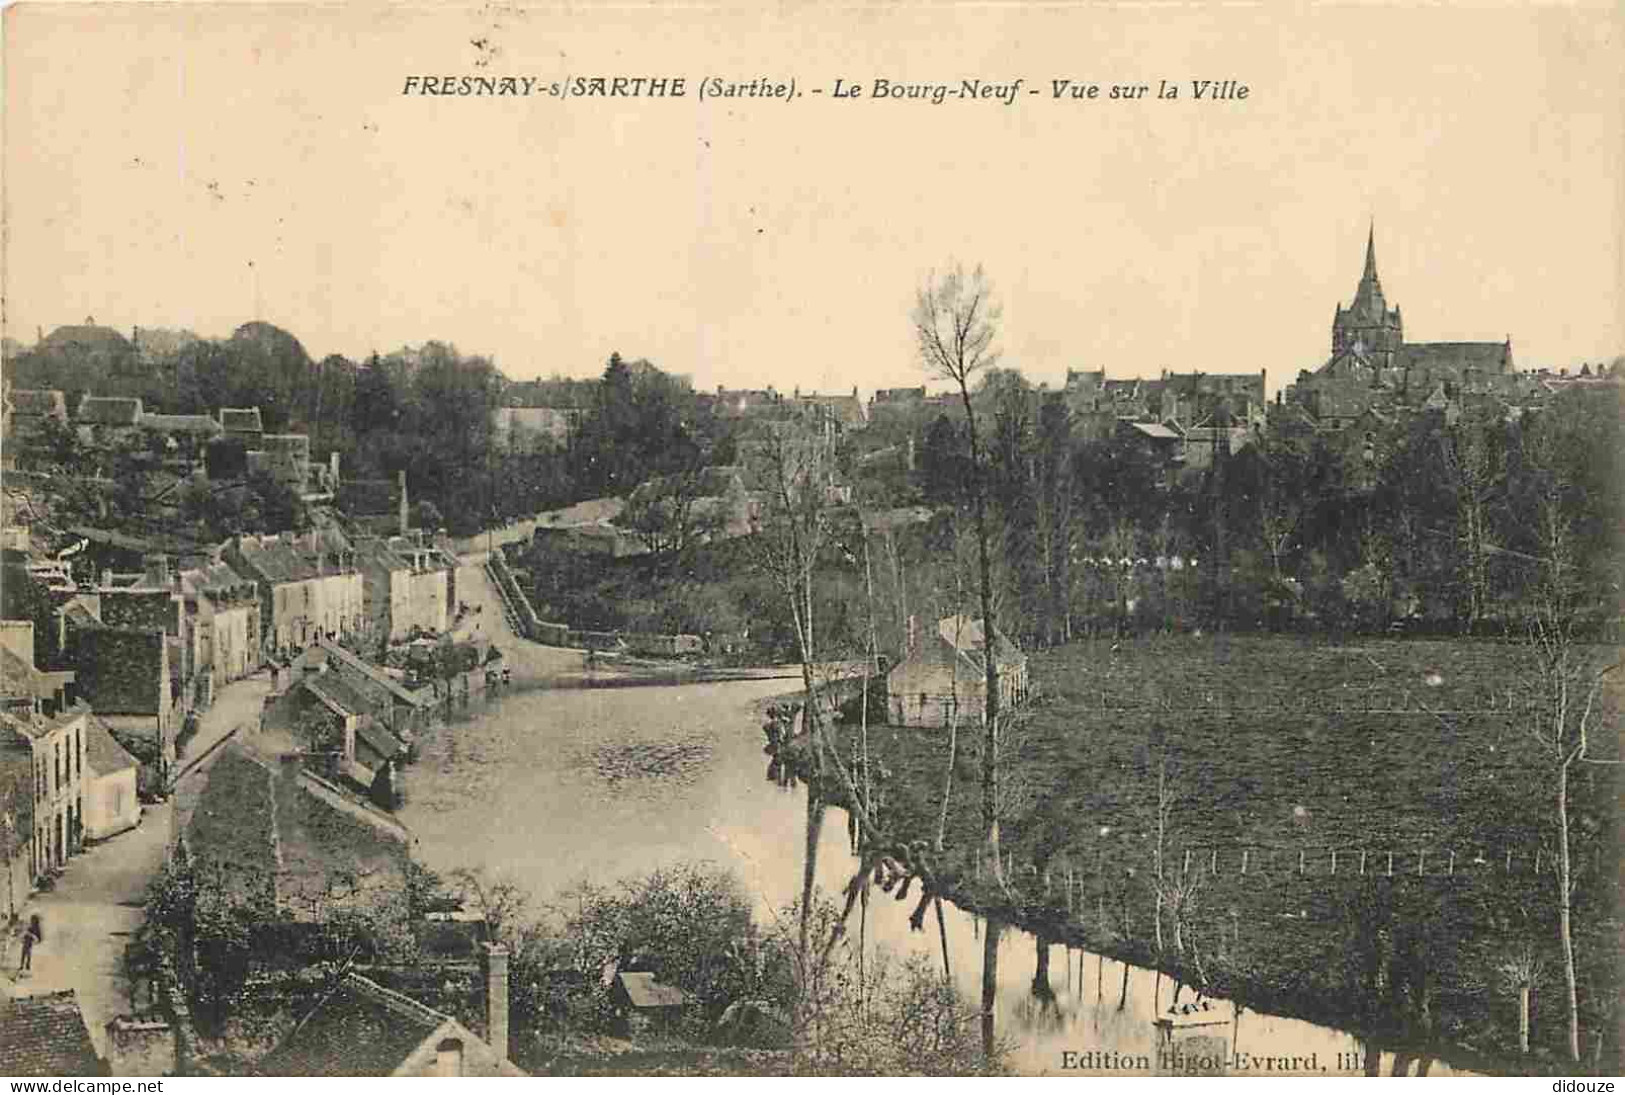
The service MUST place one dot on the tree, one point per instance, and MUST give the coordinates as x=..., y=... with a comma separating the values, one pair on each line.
x=955, y=325
x=1564, y=684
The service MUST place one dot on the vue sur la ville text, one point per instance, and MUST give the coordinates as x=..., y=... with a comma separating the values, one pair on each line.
x=879, y=88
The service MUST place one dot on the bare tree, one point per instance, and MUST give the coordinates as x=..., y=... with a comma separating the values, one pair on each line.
x=1565, y=685
x=1519, y=974
x=955, y=324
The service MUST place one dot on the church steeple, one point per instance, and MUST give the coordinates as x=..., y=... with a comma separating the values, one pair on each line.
x=1368, y=325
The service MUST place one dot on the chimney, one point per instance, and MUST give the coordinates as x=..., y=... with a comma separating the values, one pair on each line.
x=495, y=962
x=333, y=469
x=400, y=479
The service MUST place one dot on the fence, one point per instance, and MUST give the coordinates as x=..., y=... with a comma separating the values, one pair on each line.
x=1071, y=875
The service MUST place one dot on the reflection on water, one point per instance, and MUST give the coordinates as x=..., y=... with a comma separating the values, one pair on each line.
x=551, y=787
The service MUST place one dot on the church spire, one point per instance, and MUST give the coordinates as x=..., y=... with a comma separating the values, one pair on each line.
x=1371, y=253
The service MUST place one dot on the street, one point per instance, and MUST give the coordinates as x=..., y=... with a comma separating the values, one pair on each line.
x=96, y=905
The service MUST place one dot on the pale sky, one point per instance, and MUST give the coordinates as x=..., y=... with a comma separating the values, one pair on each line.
x=199, y=166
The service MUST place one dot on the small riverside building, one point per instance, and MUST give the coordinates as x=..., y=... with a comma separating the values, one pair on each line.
x=944, y=676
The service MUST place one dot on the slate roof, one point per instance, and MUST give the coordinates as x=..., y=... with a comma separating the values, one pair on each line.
x=110, y=410
x=848, y=410
x=119, y=670
x=1490, y=357
x=180, y=423
x=38, y=403
x=372, y=673
x=382, y=741
x=241, y=420
x=377, y=552
x=46, y=1035
x=19, y=678
x=283, y=832
x=645, y=992
x=102, y=752
x=213, y=579
x=362, y=1028
x=275, y=561
x=232, y=828
x=336, y=692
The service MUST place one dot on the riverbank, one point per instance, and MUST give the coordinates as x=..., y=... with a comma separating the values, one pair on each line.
x=1294, y=771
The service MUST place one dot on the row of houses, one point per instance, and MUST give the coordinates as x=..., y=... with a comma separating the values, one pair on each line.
x=149, y=647
x=112, y=422
x=64, y=776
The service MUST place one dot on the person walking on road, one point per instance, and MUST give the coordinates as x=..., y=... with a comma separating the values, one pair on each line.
x=31, y=935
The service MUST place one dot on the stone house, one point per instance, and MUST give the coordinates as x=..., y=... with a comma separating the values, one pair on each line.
x=333, y=718
x=534, y=429
x=55, y=750
x=944, y=676
x=403, y=587
x=110, y=792
x=285, y=457
x=107, y=420
x=183, y=436
x=224, y=610
x=126, y=675
x=17, y=845
x=242, y=424
x=404, y=712
x=155, y=601
x=309, y=587
x=365, y=1029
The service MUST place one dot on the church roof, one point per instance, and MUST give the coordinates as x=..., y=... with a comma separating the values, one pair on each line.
x=1493, y=357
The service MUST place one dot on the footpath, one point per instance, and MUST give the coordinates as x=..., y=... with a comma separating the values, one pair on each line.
x=96, y=906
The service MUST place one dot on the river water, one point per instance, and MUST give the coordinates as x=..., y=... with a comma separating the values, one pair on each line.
x=551, y=786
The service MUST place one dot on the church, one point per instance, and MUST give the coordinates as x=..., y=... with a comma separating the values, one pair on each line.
x=1369, y=347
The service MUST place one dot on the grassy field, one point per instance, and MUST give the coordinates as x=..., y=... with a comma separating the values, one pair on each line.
x=1284, y=751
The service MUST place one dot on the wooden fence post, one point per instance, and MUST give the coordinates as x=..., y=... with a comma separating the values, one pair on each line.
x=1334, y=862
x=1213, y=865
x=1390, y=864
x=1300, y=861
x=1244, y=861
x=1452, y=867
x=1509, y=861
x=1362, y=861
x=1186, y=869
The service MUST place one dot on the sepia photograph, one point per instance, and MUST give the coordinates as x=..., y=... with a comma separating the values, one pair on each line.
x=996, y=540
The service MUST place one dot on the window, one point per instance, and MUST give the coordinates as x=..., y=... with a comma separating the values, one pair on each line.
x=448, y=1058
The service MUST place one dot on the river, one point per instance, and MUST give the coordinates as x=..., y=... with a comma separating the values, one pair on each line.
x=548, y=787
